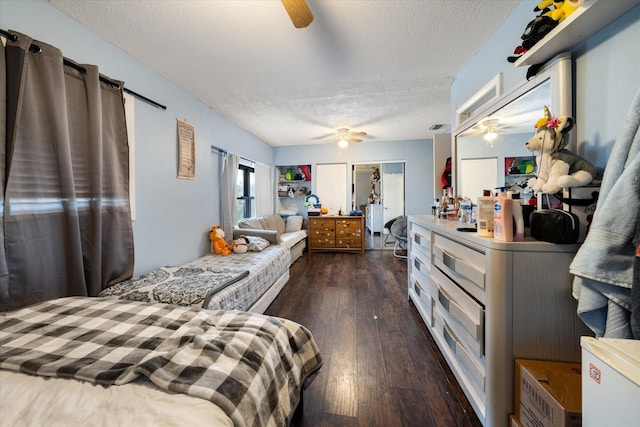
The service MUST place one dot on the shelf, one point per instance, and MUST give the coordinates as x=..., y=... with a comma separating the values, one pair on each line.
x=580, y=25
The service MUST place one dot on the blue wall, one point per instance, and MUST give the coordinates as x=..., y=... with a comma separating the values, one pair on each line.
x=417, y=155
x=606, y=76
x=173, y=216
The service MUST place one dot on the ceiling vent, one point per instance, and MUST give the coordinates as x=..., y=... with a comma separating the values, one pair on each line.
x=436, y=127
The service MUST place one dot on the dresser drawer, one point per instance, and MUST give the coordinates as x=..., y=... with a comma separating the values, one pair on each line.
x=472, y=367
x=465, y=315
x=464, y=265
x=420, y=238
x=419, y=261
x=322, y=233
x=322, y=242
x=348, y=242
x=348, y=231
x=322, y=224
x=420, y=287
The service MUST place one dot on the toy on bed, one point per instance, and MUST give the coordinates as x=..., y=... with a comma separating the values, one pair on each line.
x=220, y=246
x=240, y=245
x=557, y=167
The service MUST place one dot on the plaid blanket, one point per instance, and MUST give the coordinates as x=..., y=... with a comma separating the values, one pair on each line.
x=190, y=286
x=252, y=366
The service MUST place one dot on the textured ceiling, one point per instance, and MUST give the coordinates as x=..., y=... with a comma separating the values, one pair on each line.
x=383, y=67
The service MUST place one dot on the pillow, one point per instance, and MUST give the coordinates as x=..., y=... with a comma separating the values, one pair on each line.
x=257, y=244
x=294, y=223
x=276, y=223
x=253, y=223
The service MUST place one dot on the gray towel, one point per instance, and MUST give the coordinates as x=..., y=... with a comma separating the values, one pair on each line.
x=603, y=266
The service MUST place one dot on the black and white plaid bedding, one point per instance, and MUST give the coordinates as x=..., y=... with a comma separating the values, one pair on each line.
x=182, y=285
x=252, y=366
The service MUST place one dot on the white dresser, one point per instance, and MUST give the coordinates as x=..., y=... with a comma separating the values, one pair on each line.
x=487, y=303
x=375, y=222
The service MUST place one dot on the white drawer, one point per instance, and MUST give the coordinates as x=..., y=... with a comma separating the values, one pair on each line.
x=472, y=368
x=464, y=265
x=425, y=298
x=420, y=261
x=465, y=315
x=420, y=238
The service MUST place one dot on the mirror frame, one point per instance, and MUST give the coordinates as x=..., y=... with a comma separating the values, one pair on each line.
x=558, y=71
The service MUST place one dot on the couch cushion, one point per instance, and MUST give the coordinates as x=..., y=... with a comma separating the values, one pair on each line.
x=294, y=223
x=276, y=222
x=253, y=223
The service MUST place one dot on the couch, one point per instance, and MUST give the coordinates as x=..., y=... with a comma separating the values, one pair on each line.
x=289, y=232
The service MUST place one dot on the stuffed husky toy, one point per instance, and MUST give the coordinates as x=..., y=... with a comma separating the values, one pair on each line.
x=557, y=167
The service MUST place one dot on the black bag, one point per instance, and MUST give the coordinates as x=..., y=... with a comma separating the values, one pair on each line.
x=554, y=226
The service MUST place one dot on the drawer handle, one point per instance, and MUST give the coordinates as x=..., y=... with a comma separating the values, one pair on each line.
x=449, y=338
x=417, y=238
x=417, y=264
x=449, y=260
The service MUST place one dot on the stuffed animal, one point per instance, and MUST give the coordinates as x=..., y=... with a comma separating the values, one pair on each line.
x=557, y=167
x=240, y=245
x=220, y=246
x=564, y=8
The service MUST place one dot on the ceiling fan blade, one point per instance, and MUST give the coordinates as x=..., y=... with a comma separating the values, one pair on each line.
x=352, y=139
x=358, y=133
x=299, y=12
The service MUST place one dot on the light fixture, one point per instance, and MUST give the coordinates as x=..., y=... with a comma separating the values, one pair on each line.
x=343, y=142
x=490, y=136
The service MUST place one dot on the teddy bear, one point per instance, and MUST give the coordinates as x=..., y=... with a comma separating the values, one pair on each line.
x=240, y=245
x=557, y=167
x=220, y=246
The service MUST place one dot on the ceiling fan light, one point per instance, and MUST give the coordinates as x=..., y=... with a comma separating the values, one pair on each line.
x=490, y=136
x=343, y=143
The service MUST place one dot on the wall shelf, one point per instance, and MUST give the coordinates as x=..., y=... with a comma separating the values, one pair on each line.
x=580, y=25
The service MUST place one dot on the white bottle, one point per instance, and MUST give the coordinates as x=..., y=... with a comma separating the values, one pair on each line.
x=518, y=220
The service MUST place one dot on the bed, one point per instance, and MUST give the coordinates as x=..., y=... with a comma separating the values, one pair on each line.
x=104, y=361
x=246, y=282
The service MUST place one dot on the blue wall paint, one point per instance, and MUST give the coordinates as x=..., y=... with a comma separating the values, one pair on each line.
x=173, y=215
x=417, y=155
x=606, y=76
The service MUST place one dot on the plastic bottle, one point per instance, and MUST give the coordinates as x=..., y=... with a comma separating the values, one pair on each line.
x=484, y=218
x=518, y=219
x=503, y=217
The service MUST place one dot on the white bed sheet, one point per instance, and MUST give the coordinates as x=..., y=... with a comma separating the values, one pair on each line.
x=27, y=400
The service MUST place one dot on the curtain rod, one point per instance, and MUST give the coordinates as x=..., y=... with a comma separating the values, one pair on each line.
x=223, y=151
x=35, y=48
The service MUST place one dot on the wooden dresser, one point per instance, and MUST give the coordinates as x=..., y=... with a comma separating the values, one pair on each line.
x=336, y=234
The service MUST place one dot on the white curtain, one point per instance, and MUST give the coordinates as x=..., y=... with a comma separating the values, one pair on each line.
x=228, y=179
x=264, y=189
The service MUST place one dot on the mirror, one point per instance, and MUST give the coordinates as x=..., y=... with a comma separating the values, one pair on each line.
x=488, y=147
x=378, y=190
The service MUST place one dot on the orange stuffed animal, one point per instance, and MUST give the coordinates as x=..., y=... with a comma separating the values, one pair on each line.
x=220, y=246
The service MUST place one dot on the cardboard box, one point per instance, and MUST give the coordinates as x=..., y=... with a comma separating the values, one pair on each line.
x=548, y=394
x=513, y=421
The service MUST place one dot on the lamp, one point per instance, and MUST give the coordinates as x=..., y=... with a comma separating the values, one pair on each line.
x=343, y=142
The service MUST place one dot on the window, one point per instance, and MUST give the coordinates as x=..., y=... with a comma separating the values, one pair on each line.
x=245, y=192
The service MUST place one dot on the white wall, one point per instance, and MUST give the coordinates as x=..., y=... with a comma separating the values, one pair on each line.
x=606, y=76
x=417, y=155
x=173, y=216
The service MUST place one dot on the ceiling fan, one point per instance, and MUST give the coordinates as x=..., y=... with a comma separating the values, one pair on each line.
x=299, y=12
x=345, y=136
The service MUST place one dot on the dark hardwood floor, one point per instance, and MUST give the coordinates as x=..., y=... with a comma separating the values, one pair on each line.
x=381, y=366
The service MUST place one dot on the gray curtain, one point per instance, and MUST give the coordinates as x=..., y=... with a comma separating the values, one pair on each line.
x=228, y=196
x=66, y=217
